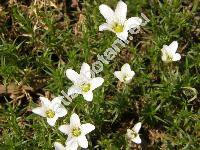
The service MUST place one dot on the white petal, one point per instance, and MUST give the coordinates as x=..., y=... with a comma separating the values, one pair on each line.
x=126, y=68
x=129, y=77
x=105, y=26
x=39, y=111
x=57, y=100
x=131, y=74
x=65, y=129
x=119, y=75
x=176, y=57
x=163, y=58
x=164, y=55
x=58, y=146
x=71, y=144
x=85, y=71
x=74, y=90
x=60, y=110
x=72, y=75
x=108, y=13
x=122, y=35
x=164, y=49
x=173, y=46
x=132, y=23
x=52, y=121
x=137, y=140
x=121, y=11
x=88, y=96
x=70, y=138
x=45, y=101
x=86, y=128
x=96, y=82
x=74, y=120
x=82, y=141
x=57, y=107
x=137, y=127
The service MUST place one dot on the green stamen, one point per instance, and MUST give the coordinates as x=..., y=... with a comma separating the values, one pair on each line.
x=169, y=57
x=50, y=113
x=134, y=134
x=85, y=87
x=118, y=28
x=125, y=78
x=76, y=132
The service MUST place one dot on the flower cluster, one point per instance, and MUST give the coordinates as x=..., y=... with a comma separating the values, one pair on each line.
x=84, y=82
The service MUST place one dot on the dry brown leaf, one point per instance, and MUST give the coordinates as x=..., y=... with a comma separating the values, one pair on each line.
x=74, y=4
x=16, y=92
x=155, y=136
x=12, y=2
x=79, y=25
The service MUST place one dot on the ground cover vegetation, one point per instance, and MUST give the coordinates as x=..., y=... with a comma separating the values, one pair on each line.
x=41, y=39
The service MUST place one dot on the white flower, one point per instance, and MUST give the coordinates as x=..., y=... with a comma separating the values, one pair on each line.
x=52, y=110
x=59, y=146
x=83, y=83
x=126, y=74
x=76, y=133
x=169, y=52
x=116, y=20
x=133, y=134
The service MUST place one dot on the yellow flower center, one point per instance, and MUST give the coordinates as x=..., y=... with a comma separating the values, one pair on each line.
x=85, y=87
x=76, y=132
x=50, y=113
x=118, y=28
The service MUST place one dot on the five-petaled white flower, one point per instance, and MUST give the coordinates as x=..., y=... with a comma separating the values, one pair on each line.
x=133, y=134
x=83, y=83
x=116, y=20
x=126, y=74
x=52, y=110
x=169, y=52
x=76, y=133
